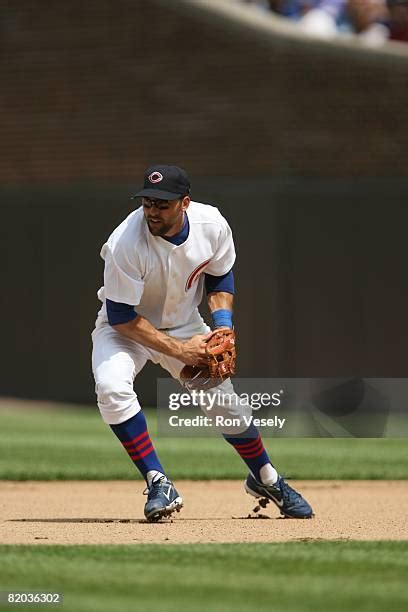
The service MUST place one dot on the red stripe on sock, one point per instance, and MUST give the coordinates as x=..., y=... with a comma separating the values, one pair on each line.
x=248, y=445
x=138, y=447
x=139, y=437
x=254, y=455
x=137, y=456
x=253, y=452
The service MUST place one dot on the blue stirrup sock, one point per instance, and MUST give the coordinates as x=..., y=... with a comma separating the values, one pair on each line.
x=136, y=441
x=250, y=448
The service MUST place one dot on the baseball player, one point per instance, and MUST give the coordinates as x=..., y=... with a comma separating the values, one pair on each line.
x=158, y=262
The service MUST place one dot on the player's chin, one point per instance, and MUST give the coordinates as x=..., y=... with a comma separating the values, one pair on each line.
x=156, y=228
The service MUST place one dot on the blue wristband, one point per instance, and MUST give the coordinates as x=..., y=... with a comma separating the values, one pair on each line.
x=222, y=318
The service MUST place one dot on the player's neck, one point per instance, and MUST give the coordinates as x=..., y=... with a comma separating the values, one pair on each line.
x=177, y=227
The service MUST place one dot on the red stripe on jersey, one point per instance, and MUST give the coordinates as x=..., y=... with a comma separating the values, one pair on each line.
x=195, y=273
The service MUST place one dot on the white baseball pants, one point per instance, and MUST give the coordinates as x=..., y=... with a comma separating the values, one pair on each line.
x=116, y=362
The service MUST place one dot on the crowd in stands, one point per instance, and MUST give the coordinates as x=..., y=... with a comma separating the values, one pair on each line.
x=372, y=21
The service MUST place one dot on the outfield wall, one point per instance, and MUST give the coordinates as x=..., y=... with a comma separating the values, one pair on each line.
x=320, y=275
x=302, y=144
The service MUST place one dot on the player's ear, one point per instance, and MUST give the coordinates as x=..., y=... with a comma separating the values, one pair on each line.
x=185, y=202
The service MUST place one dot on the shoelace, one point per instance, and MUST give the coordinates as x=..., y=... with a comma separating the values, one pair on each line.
x=287, y=491
x=155, y=485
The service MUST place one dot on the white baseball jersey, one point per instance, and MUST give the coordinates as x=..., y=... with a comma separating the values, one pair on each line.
x=163, y=281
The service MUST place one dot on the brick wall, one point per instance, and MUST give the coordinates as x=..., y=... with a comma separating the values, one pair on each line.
x=102, y=88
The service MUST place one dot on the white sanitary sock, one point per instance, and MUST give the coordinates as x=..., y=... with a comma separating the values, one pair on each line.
x=268, y=474
x=152, y=475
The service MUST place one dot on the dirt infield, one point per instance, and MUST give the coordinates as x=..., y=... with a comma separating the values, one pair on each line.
x=214, y=511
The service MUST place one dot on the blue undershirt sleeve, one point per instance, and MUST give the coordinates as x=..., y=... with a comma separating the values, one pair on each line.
x=220, y=283
x=119, y=313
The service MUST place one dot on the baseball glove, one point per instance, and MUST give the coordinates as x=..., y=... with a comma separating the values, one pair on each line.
x=221, y=355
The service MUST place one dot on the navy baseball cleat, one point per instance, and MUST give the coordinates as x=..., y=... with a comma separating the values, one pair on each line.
x=162, y=499
x=290, y=503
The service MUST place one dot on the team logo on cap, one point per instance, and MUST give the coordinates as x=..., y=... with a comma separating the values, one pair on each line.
x=155, y=177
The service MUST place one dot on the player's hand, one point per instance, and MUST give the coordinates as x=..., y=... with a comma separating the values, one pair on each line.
x=193, y=350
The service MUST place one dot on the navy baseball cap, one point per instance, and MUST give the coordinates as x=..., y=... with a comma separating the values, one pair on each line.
x=165, y=183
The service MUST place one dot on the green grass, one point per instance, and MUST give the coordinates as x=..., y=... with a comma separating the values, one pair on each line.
x=71, y=443
x=289, y=577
